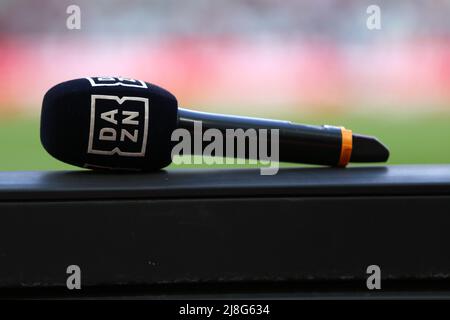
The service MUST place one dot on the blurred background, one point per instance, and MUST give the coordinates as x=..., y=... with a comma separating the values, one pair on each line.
x=306, y=61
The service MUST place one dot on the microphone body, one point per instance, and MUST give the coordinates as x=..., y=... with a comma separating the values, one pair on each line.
x=298, y=143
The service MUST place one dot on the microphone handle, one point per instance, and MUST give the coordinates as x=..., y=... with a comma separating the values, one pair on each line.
x=298, y=143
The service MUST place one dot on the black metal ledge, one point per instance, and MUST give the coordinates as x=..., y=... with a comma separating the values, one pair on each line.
x=209, y=183
x=308, y=232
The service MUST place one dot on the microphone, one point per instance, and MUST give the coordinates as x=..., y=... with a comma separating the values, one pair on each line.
x=126, y=124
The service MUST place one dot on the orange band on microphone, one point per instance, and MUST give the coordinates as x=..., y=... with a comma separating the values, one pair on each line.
x=346, y=147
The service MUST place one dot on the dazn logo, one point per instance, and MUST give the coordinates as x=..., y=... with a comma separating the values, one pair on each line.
x=118, y=125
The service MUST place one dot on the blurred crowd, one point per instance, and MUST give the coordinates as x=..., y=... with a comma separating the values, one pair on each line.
x=265, y=54
x=334, y=20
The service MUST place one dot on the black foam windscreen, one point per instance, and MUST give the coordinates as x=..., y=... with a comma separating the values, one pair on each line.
x=109, y=122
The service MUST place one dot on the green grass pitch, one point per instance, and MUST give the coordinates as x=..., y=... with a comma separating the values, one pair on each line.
x=416, y=139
